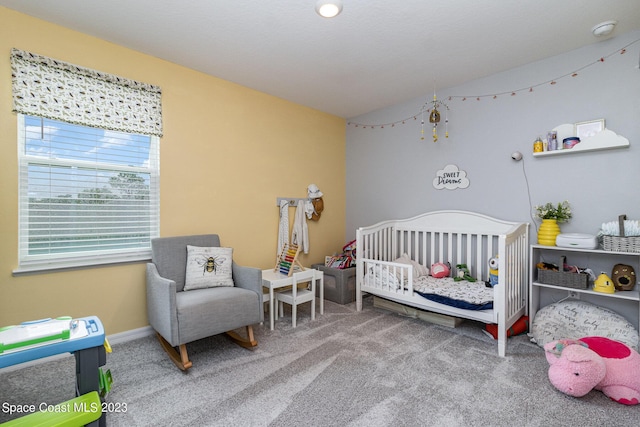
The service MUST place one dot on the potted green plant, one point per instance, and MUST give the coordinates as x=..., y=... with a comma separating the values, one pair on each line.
x=551, y=215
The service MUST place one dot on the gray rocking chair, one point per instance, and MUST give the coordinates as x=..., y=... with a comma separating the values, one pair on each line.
x=180, y=317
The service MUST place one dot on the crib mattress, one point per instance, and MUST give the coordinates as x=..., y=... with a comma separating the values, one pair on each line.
x=461, y=294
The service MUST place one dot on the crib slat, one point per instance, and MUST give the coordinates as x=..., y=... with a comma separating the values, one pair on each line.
x=458, y=248
x=424, y=259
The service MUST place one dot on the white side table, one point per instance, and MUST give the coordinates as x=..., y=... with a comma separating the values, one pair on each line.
x=273, y=279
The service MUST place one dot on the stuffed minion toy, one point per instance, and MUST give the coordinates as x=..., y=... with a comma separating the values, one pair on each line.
x=493, y=271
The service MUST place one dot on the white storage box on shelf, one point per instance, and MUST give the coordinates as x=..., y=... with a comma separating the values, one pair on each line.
x=577, y=240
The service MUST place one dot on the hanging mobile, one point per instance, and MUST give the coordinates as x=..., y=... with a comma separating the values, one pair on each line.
x=434, y=117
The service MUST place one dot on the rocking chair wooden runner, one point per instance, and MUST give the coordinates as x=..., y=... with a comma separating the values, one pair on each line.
x=180, y=317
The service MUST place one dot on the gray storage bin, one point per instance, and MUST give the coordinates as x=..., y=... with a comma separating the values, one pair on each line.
x=339, y=285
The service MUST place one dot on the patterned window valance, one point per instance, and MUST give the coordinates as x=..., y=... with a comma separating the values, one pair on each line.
x=57, y=90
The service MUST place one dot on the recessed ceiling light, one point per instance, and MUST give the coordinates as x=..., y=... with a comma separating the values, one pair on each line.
x=329, y=9
x=604, y=28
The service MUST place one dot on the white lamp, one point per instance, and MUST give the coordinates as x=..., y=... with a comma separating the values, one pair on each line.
x=329, y=8
x=604, y=28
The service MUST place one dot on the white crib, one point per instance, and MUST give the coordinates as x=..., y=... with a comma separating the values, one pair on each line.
x=456, y=237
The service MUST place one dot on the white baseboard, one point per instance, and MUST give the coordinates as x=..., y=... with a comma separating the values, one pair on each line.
x=114, y=339
x=133, y=334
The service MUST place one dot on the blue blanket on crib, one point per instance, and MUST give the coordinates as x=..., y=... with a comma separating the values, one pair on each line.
x=456, y=303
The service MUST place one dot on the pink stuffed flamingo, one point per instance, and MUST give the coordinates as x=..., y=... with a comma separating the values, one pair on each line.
x=578, y=366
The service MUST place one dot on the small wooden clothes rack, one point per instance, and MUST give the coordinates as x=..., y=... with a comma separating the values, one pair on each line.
x=287, y=259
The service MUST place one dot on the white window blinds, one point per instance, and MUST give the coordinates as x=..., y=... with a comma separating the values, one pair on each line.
x=87, y=196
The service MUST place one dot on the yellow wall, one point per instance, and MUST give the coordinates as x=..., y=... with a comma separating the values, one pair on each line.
x=227, y=153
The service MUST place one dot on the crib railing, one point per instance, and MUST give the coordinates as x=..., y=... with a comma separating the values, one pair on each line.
x=429, y=247
x=388, y=276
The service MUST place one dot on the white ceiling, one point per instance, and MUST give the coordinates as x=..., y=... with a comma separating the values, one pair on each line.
x=373, y=55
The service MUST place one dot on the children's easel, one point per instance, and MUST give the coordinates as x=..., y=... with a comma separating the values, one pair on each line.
x=287, y=258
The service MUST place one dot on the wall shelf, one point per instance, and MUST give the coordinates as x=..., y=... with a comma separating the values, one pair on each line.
x=605, y=140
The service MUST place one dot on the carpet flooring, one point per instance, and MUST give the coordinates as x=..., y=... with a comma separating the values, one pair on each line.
x=372, y=368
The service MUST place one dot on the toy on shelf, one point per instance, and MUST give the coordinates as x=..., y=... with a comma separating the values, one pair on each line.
x=604, y=284
x=287, y=259
x=624, y=277
x=578, y=366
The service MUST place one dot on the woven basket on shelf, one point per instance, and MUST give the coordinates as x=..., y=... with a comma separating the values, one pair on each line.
x=621, y=243
x=564, y=279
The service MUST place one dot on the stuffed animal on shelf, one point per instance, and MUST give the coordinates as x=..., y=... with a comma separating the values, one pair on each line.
x=440, y=270
x=578, y=366
x=493, y=271
x=463, y=273
x=624, y=277
x=604, y=284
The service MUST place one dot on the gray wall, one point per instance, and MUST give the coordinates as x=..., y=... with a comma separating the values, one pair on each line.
x=390, y=170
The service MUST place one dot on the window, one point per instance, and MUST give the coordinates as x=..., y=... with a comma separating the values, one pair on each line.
x=88, y=145
x=87, y=195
